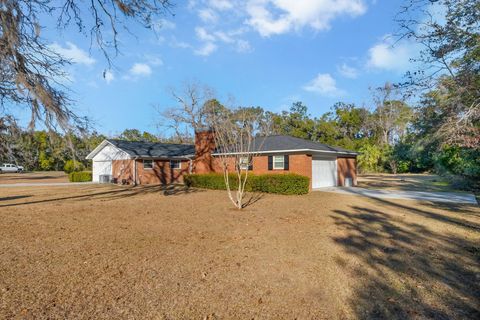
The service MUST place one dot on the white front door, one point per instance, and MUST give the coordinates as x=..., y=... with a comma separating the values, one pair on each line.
x=324, y=172
x=99, y=168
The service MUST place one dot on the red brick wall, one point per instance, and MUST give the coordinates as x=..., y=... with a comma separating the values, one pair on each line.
x=298, y=163
x=204, y=146
x=206, y=163
x=160, y=174
x=123, y=170
x=347, y=167
x=163, y=174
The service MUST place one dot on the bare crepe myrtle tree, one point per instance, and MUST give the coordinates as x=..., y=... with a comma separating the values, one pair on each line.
x=236, y=145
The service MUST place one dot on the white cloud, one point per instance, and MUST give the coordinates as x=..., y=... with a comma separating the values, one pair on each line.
x=163, y=24
x=207, y=15
x=391, y=57
x=221, y=4
x=73, y=53
x=140, y=69
x=267, y=17
x=108, y=76
x=207, y=49
x=179, y=44
x=211, y=40
x=347, y=71
x=203, y=35
x=220, y=35
x=191, y=4
x=323, y=84
x=270, y=17
x=154, y=60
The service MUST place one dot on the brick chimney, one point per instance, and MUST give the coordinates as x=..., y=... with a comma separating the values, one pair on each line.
x=204, y=146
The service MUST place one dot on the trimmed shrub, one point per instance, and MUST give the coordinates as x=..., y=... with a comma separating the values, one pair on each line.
x=213, y=181
x=268, y=183
x=81, y=176
x=281, y=183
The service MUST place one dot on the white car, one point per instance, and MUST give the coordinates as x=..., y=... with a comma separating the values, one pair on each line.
x=8, y=167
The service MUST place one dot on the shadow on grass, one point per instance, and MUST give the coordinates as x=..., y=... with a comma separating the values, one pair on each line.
x=254, y=197
x=23, y=176
x=117, y=193
x=407, y=270
x=14, y=197
x=459, y=222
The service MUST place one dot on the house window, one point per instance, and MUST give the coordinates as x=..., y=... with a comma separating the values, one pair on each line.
x=278, y=162
x=175, y=164
x=147, y=164
x=243, y=163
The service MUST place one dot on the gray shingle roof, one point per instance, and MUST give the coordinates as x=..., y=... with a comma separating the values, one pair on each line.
x=279, y=142
x=261, y=144
x=153, y=149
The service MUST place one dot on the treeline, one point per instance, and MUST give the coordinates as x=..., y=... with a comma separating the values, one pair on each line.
x=53, y=151
x=439, y=132
x=391, y=137
x=48, y=150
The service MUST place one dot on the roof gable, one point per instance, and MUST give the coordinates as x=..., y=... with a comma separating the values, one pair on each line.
x=110, y=152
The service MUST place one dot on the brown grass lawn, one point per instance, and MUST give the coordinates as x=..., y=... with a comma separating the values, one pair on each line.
x=33, y=177
x=110, y=252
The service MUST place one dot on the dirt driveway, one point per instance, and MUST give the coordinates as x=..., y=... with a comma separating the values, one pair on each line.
x=110, y=252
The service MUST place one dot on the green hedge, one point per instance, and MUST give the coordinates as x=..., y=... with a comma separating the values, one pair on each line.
x=269, y=183
x=81, y=176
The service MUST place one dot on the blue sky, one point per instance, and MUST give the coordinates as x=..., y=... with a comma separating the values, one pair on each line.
x=266, y=53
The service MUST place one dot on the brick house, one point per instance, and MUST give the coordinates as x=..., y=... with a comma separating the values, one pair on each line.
x=132, y=162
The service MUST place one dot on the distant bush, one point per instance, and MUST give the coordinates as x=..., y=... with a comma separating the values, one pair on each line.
x=72, y=166
x=81, y=176
x=369, y=158
x=267, y=183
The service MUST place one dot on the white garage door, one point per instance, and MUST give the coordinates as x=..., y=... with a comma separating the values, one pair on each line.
x=99, y=168
x=324, y=172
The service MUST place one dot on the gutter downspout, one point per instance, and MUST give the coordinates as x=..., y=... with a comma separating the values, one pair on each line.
x=135, y=171
x=190, y=165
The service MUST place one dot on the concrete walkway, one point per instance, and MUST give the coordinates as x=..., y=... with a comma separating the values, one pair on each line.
x=452, y=197
x=44, y=184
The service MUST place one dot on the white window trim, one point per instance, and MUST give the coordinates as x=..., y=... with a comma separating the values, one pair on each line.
x=244, y=166
x=143, y=163
x=283, y=162
x=179, y=164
